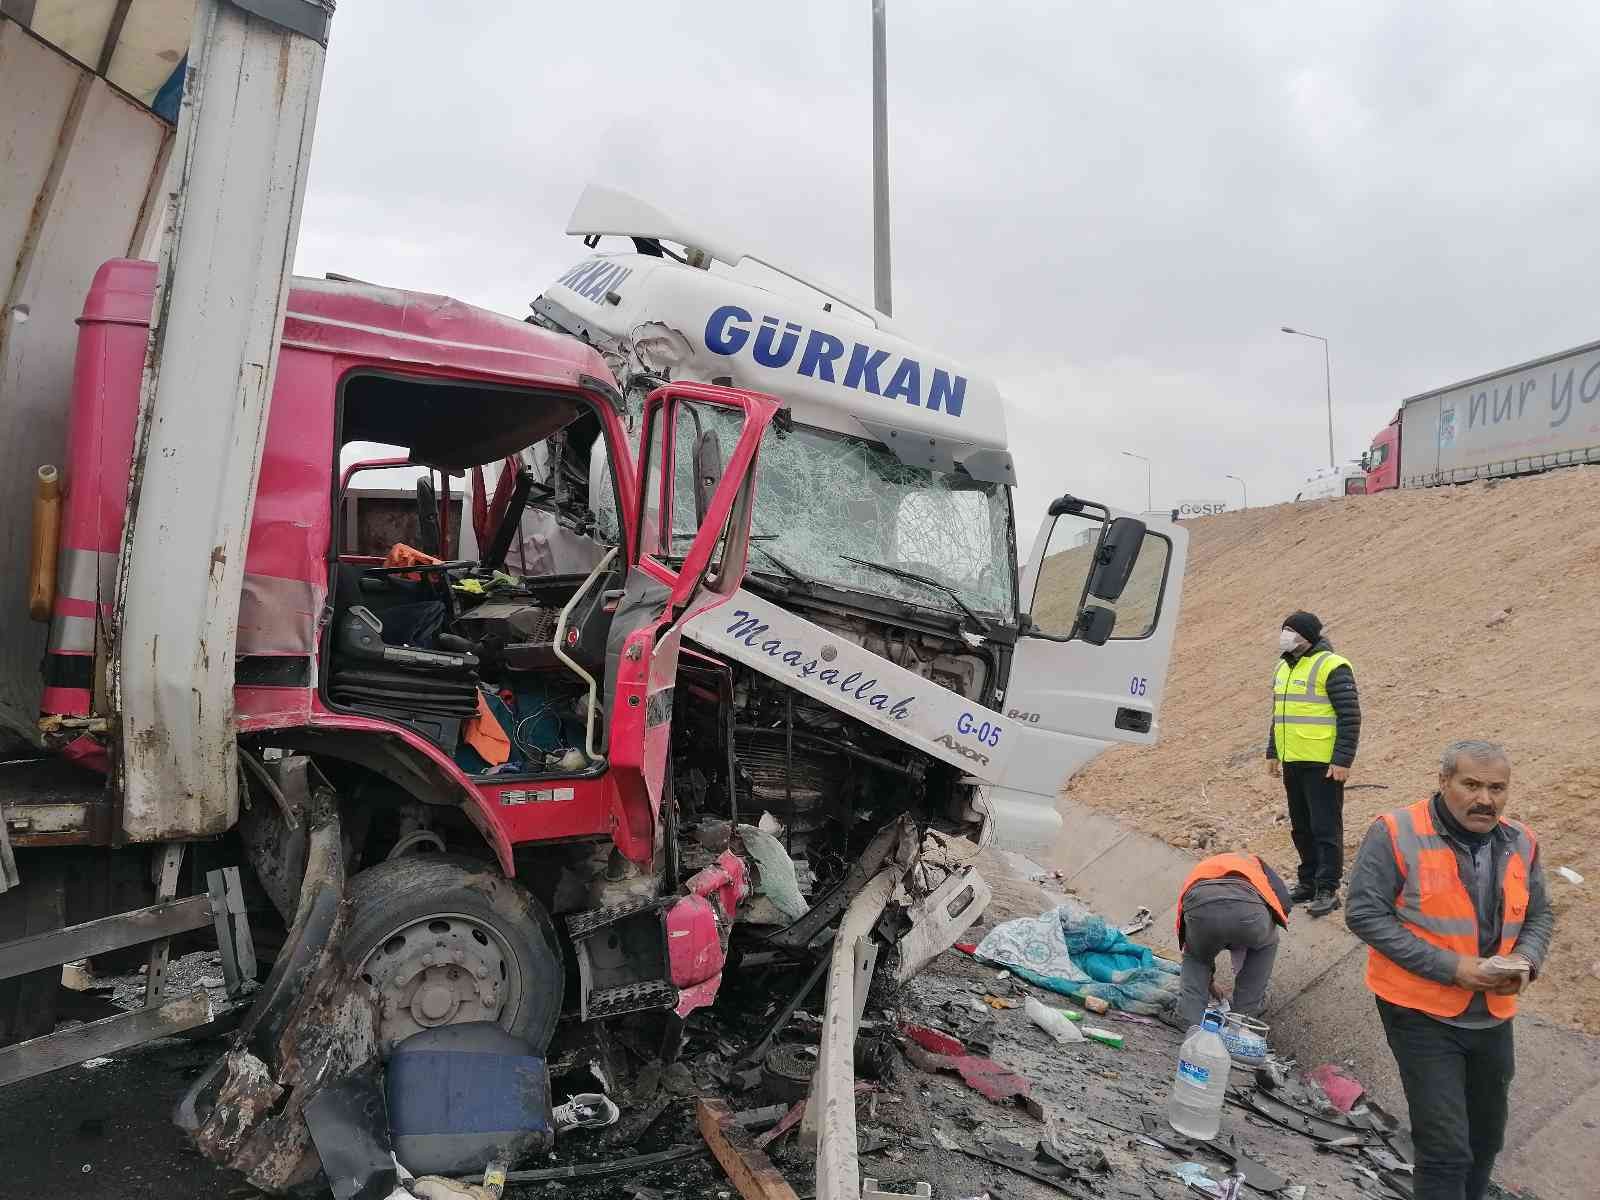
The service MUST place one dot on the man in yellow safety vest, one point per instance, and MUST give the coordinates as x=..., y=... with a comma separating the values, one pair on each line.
x=1316, y=725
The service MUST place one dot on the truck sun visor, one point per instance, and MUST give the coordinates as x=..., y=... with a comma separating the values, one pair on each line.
x=986, y=464
x=451, y=425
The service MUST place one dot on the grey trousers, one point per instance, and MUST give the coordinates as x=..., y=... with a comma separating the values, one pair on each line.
x=1213, y=926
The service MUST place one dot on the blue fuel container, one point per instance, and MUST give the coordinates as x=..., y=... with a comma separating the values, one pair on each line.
x=462, y=1096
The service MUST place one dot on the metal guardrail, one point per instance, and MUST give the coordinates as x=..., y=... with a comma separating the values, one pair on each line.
x=29, y=954
x=222, y=908
x=68, y=1047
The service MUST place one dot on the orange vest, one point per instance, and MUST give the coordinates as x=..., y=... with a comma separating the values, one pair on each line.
x=402, y=555
x=1247, y=866
x=1435, y=905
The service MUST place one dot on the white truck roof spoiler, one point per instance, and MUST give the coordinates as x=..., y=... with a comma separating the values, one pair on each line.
x=604, y=211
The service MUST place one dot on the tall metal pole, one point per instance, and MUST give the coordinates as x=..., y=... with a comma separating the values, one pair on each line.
x=1327, y=377
x=1244, y=491
x=1149, y=502
x=880, y=164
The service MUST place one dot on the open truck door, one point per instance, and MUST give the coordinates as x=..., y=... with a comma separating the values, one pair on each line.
x=1100, y=598
x=693, y=541
x=1099, y=602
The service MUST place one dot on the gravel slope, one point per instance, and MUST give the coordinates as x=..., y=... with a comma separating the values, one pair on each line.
x=1467, y=612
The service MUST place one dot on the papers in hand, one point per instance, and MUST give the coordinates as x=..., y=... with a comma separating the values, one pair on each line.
x=1509, y=964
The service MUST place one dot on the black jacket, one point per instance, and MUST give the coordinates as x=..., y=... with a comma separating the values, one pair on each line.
x=1346, y=708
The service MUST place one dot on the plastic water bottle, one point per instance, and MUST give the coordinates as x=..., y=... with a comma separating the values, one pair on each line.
x=1201, y=1084
x=1053, y=1021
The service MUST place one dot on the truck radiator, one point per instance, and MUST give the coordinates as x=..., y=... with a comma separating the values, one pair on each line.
x=767, y=783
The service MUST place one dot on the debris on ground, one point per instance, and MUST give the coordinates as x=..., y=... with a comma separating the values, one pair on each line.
x=1058, y=1023
x=930, y=1050
x=1341, y=1088
x=1084, y=1120
x=1138, y=923
x=1075, y=952
x=746, y=1165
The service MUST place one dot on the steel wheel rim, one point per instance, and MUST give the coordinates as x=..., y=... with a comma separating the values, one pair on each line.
x=441, y=969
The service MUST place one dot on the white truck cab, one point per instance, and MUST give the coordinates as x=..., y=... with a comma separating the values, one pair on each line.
x=1334, y=483
x=883, y=580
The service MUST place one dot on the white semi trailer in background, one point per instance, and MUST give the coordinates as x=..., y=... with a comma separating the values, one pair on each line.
x=1532, y=417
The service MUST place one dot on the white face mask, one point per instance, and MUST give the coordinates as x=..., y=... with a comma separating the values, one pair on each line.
x=1289, y=640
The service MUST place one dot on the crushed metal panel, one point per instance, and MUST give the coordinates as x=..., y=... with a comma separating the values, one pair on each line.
x=257, y=1126
x=313, y=1023
x=835, y=670
x=941, y=917
x=243, y=160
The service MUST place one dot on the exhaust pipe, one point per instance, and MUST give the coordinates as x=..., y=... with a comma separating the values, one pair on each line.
x=46, y=540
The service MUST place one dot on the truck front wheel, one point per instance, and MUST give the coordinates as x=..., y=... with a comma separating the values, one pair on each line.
x=447, y=940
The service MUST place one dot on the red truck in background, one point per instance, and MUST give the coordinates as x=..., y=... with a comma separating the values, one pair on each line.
x=1532, y=417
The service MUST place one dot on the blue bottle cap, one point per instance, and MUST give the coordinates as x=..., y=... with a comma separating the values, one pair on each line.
x=1212, y=1022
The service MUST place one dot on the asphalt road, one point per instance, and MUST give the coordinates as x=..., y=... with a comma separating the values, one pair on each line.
x=106, y=1133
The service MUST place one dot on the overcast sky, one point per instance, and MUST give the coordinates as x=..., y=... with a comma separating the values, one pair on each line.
x=1109, y=207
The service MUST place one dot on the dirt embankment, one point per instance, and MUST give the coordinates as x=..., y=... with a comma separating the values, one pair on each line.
x=1467, y=612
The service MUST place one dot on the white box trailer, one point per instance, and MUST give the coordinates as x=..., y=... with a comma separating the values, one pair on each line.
x=88, y=108
x=123, y=126
x=1527, y=418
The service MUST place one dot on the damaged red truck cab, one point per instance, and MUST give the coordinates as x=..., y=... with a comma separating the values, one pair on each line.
x=330, y=660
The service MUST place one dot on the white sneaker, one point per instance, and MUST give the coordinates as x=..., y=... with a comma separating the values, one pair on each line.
x=586, y=1110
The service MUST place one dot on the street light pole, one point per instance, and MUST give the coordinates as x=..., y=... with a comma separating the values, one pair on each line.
x=1148, y=502
x=1243, y=490
x=880, y=163
x=1327, y=377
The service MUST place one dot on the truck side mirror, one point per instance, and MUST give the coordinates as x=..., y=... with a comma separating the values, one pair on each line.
x=1065, y=504
x=707, y=471
x=1366, y=460
x=1095, y=624
x=1119, y=548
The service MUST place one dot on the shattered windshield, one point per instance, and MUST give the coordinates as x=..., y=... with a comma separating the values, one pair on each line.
x=823, y=498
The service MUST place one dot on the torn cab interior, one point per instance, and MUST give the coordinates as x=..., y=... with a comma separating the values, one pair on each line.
x=458, y=633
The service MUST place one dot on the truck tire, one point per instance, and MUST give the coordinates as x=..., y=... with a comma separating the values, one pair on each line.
x=446, y=940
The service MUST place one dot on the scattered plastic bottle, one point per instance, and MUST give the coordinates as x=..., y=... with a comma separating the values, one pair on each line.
x=1104, y=1036
x=1053, y=1021
x=1200, y=1086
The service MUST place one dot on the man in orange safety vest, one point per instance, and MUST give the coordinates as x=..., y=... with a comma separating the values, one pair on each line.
x=1232, y=902
x=1449, y=896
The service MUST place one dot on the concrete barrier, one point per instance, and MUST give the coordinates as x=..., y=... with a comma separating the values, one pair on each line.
x=1320, y=1009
